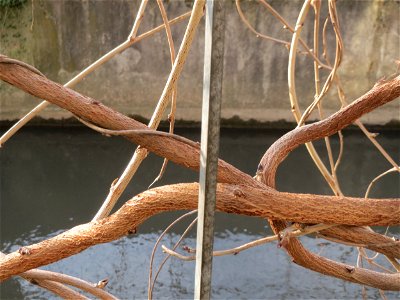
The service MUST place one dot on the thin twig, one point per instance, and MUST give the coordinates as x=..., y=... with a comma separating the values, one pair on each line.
x=262, y=241
x=377, y=178
x=338, y=58
x=258, y=34
x=173, y=248
x=151, y=283
x=372, y=262
x=286, y=25
x=361, y=265
x=324, y=41
x=293, y=97
x=156, y=244
x=33, y=15
x=373, y=140
x=132, y=132
x=341, y=145
x=138, y=20
x=382, y=294
x=171, y=116
x=394, y=262
x=317, y=10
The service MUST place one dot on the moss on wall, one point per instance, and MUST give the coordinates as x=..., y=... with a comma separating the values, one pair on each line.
x=11, y=3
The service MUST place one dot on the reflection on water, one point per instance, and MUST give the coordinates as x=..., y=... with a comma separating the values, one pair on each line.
x=53, y=179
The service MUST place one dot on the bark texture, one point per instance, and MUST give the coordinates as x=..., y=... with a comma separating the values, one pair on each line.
x=237, y=192
x=237, y=199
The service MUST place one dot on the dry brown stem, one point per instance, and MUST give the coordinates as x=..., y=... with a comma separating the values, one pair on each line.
x=279, y=41
x=171, y=115
x=258, y=34
x=286, y=25
x=233, y=251
x=338, y=59
x=293, y=95
x=317, y=11
x=151, y=282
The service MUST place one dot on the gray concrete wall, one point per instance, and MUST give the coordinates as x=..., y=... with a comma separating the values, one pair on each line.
x=61, y=37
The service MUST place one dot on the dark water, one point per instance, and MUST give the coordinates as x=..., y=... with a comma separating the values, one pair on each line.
x=55, y=178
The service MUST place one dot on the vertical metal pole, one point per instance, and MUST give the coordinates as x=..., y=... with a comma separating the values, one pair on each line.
x=210, y=123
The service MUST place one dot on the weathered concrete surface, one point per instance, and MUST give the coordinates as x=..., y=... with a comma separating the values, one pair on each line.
x=61, y=37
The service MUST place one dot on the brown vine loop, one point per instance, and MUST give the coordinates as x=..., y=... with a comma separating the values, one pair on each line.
x=378, y=95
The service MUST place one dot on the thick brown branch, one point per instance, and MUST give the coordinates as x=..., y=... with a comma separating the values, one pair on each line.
x=96, y=113
x=364, y=237
x=231, y=199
